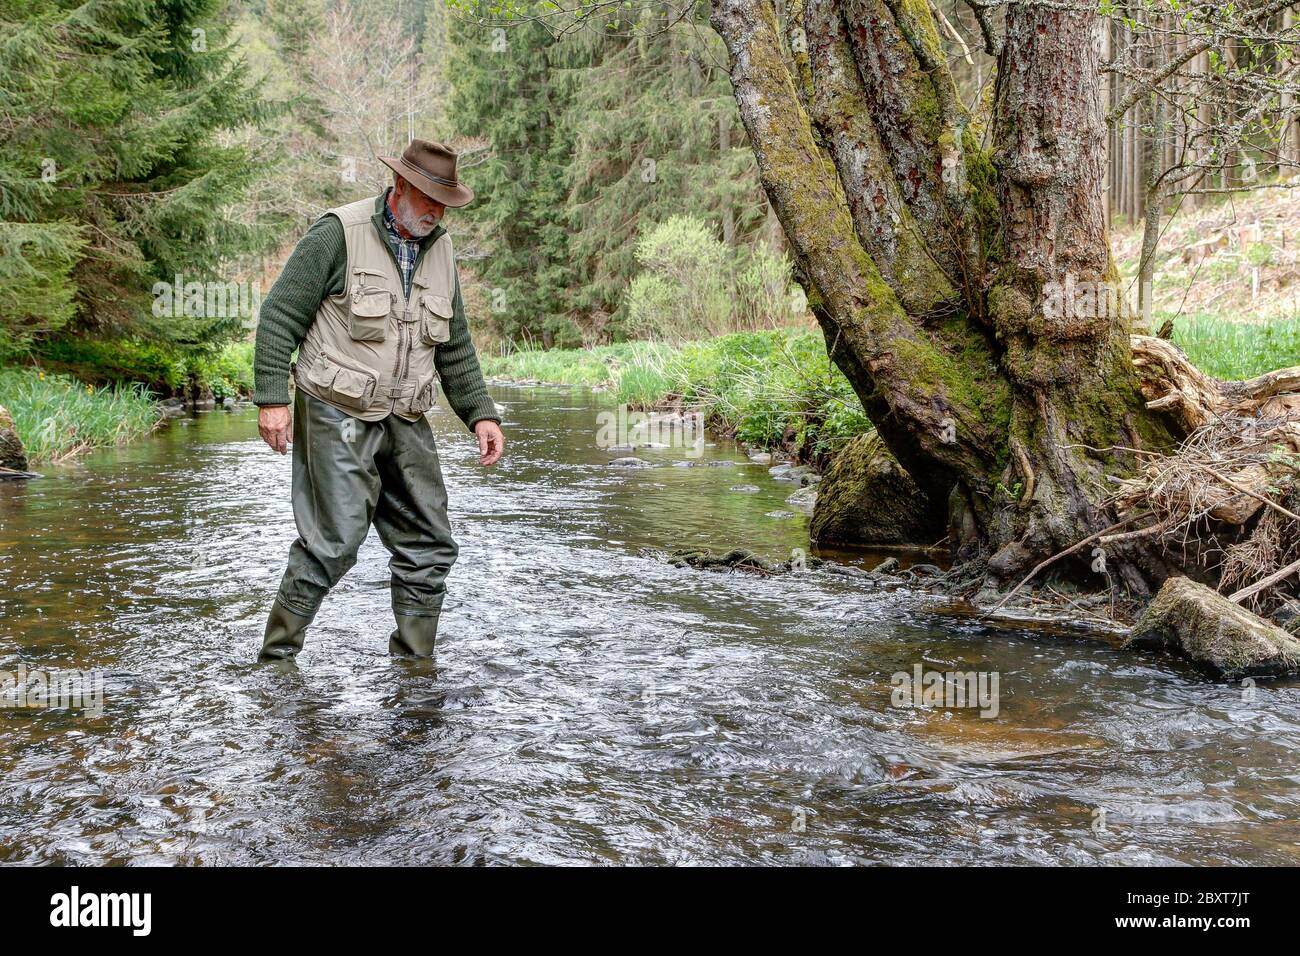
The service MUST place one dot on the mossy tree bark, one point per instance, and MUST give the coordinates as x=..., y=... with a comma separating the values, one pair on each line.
x=958, y=262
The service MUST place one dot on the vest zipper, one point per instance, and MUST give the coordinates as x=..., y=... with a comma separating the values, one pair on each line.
x=403, y=353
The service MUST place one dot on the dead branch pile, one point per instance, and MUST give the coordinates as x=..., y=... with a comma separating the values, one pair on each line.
x=1231, y=491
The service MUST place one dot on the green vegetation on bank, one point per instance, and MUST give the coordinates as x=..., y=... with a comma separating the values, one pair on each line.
x=133, y=142
x=91, y=393
x=1237, y=350
x=227, y=371
x=57, y=416
x=771, y=388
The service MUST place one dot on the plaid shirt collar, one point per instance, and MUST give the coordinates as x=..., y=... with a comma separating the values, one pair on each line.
x=406, y=251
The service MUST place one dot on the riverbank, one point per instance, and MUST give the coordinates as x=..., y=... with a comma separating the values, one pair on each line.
x=58, y=416
x=90, y=393
x=772, y=390
x=167, y=372
x=778, y=391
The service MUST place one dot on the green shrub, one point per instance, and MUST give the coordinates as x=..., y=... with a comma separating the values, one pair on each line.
x=684, y=290
x=160, y=368
x=765, y=293
x=229, y=372
x=694, y=285
x=103, y=361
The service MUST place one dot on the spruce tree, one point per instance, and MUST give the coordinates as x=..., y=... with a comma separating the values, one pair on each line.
x=114, y=173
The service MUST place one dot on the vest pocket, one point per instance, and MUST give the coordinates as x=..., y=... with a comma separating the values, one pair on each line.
x=435, y=318
x=368, y=314
x=425, y=394
x=351, y=387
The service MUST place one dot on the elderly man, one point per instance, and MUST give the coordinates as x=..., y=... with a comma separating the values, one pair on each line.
x=371, y=299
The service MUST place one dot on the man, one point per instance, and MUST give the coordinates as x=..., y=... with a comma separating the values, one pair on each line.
x=371, y=299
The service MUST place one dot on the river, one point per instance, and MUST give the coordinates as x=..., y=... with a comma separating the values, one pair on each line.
x=589, y=704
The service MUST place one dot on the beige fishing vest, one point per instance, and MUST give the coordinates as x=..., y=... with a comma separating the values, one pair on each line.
x=370, y=350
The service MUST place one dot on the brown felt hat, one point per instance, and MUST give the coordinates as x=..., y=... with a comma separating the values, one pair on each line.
x=431, y=168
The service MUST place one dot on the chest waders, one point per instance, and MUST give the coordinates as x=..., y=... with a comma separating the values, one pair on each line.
x=363, y=450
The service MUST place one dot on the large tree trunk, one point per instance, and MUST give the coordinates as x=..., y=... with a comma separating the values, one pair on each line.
x=958, y=265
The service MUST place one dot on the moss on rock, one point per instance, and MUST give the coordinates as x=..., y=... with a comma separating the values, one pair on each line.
x=1219, y=635
x=867, y=498
x=12, y=453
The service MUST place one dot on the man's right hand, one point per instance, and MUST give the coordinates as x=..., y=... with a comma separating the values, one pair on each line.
x=275, y=422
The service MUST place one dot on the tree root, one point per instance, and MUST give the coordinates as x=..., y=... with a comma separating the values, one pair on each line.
x=1171, y=383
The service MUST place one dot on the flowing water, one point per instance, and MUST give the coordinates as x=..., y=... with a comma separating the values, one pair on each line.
x=589, y=704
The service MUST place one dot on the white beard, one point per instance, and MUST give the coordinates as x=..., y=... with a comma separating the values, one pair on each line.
x=416, y=227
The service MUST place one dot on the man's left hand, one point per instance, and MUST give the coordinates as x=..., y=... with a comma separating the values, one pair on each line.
x=491, y=443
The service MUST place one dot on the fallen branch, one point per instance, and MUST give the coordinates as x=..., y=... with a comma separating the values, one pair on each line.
x=1246, y=491
x=1068, y=551
x=1268, y=582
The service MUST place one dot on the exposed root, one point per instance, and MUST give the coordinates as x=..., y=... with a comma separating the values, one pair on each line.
x=1061, y=554
x=1226, y=492
x=1228, y=496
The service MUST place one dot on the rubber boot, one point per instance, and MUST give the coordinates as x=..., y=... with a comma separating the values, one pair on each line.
x=414, y=636
x=285, y=633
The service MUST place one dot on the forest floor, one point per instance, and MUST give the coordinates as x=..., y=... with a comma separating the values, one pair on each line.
x=1228, y=274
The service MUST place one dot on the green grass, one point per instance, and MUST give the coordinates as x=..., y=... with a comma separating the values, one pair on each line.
x=601, y=365
x=56, y=415
x=1236, y=350
x=773, y=388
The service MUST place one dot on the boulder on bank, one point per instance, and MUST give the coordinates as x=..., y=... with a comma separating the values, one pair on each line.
x=1221, y=636
x=866, y=497
x=12, y=453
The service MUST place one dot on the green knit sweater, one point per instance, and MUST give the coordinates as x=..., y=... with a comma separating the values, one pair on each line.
x=317, y=268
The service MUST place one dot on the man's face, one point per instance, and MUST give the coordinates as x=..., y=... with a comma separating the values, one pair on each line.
x=414, y=211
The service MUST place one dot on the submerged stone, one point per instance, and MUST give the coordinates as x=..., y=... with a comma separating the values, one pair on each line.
x=887, y=566
x=804, y=498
